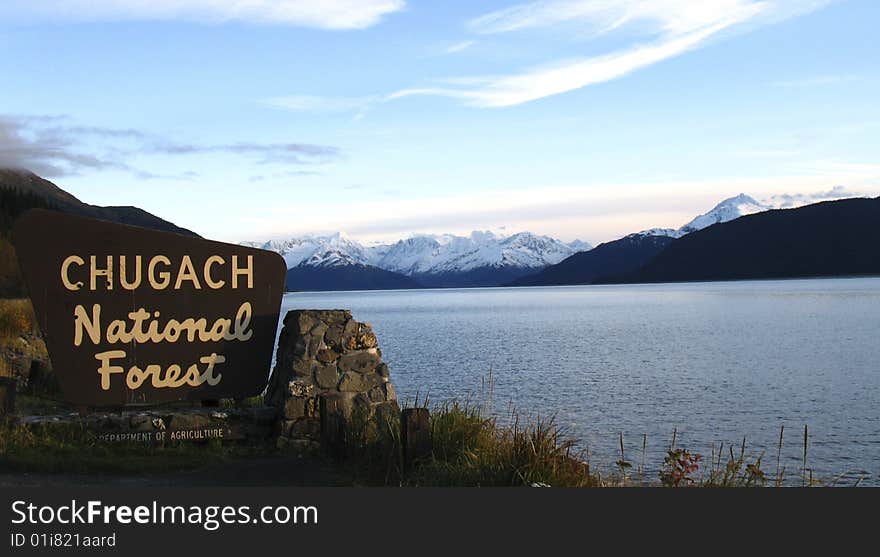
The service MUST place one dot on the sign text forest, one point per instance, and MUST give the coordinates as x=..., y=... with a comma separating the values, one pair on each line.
x=132, y=315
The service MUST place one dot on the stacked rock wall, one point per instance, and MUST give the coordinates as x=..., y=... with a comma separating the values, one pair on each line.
x=327, y=363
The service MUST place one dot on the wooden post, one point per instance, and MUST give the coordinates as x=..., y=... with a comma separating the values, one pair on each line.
x=415, y=432
x=7, y=396
x=335, y=411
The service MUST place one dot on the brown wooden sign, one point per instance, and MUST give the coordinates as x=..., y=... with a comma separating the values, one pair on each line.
x=133, y=316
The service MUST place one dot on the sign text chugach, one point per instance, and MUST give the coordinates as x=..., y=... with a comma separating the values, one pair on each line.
x=133, y=315
x=143, y=326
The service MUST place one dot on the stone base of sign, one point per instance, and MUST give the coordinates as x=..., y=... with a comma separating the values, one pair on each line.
x=167, y=425
x=328, y=372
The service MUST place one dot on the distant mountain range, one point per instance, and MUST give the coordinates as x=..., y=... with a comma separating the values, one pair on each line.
x=738, y=239
x=336, y=262
x=433, y=261
x=479, y=259
x=831, y=238
x=631, y=252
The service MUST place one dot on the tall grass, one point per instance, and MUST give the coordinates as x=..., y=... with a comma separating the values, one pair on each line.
x=470, y=448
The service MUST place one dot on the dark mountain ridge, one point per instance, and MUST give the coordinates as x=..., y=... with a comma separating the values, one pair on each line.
x=29, y=184
x=21, y=190
x=611, y=258
x=827, y=239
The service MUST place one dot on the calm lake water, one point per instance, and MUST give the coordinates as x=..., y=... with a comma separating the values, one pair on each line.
x=717, y=361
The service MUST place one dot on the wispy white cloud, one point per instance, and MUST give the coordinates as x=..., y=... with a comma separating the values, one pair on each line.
x=510, y=90
x=658, y=30
x=673, y=17
x=326, y=14
x=671, y=27
x=538, y=83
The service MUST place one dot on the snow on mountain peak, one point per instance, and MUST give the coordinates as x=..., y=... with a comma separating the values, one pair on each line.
x=671, y=232
x=317, y=251
x=449, y=253
x=727, y=210
x=427, y=253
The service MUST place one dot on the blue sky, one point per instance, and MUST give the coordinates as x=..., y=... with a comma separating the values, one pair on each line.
x=579, y=119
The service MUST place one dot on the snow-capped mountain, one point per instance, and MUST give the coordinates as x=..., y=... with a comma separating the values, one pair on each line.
x=426, y=254
x=317, y=251
x=727, y=210
x=481, y=258
x=447, y=253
